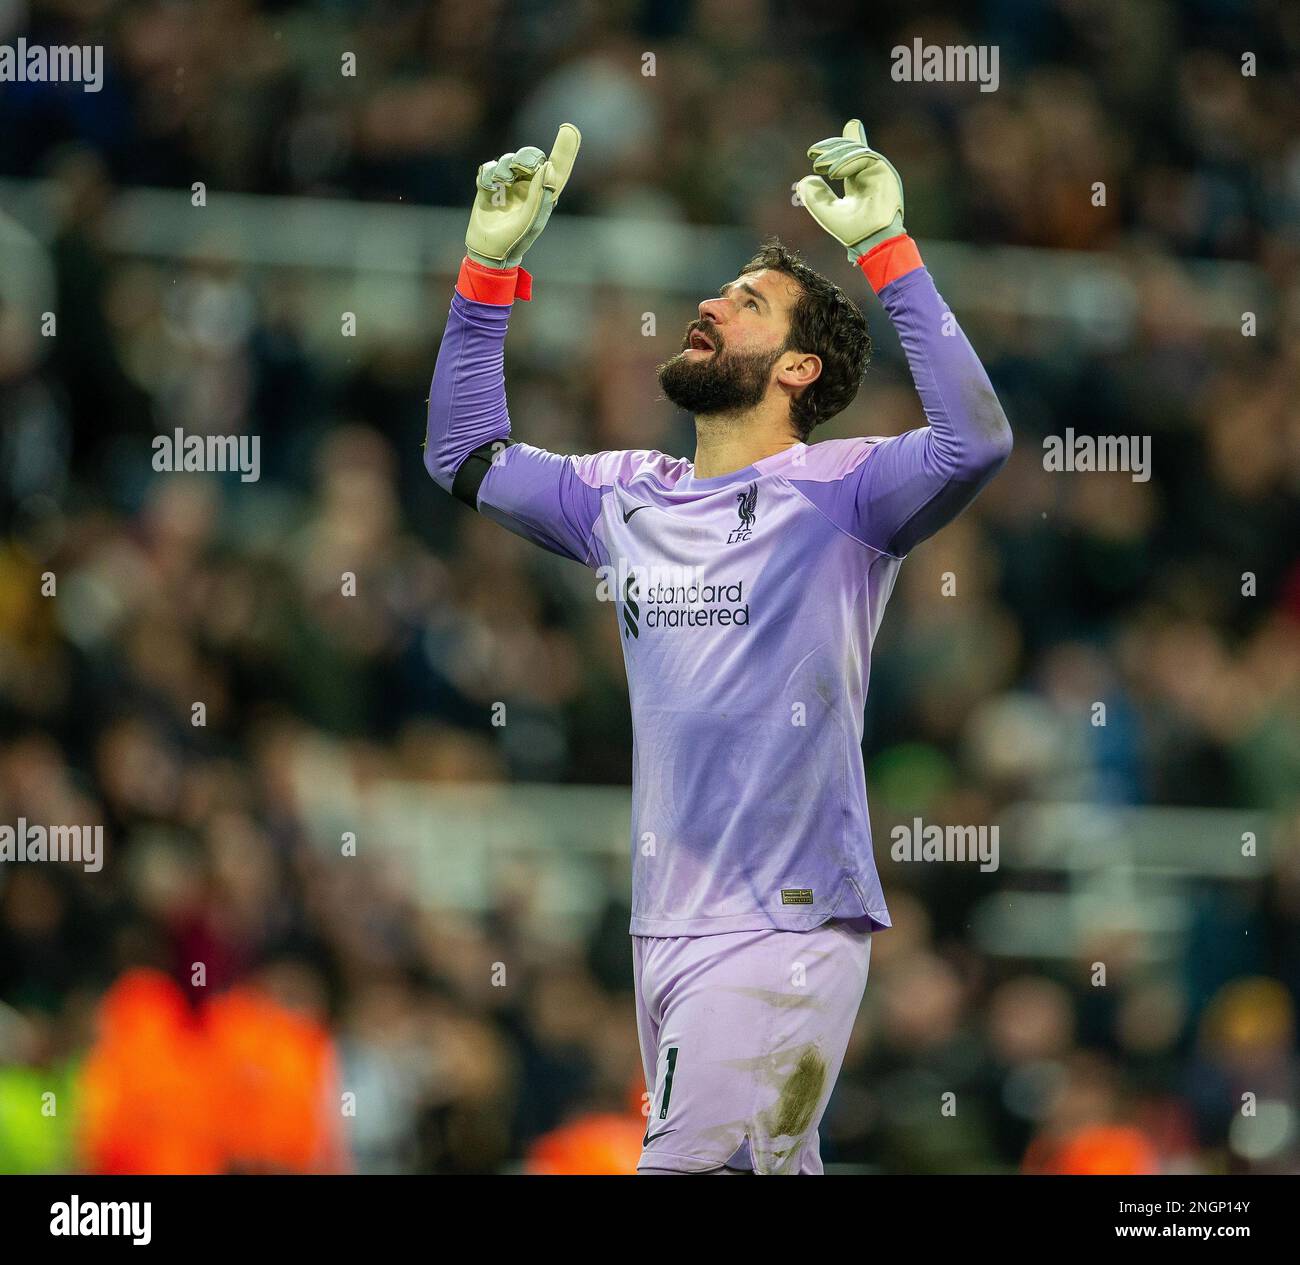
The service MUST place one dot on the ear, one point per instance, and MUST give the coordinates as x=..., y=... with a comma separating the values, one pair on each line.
x=798, y=369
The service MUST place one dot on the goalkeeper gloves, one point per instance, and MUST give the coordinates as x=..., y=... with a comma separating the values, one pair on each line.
x=516, y=195
x=871, y=210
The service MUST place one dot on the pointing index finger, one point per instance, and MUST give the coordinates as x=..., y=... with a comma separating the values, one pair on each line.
x=563, y=153
x=854, y=131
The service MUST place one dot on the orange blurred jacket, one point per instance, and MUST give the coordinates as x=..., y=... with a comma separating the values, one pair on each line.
x=238, y=1084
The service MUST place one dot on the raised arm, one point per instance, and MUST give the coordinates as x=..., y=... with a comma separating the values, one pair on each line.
x=468, y=450
x=467, y=398
x=913, y=484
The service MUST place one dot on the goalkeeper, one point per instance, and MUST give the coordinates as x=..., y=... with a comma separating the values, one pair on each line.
x=754, y=891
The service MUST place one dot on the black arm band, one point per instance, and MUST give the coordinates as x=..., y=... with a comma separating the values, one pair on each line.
x=473, y=470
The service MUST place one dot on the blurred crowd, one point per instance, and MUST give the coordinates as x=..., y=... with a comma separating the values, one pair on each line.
x=1176, y=602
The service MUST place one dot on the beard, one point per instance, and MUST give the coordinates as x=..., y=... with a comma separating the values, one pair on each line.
x=723, y=382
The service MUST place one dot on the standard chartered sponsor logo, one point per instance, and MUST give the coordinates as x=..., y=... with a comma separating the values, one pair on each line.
x=672, y=597
x=696, y=605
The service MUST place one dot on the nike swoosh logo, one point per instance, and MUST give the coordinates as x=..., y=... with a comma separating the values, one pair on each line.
x=650, y=1137
x=628, y=513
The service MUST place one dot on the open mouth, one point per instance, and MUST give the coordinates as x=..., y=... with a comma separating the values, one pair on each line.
x=699, y=341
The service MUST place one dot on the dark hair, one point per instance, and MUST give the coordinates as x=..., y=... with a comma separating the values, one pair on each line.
x=827, y=323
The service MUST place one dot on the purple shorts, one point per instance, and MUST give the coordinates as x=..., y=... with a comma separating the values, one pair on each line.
x=742, y=1038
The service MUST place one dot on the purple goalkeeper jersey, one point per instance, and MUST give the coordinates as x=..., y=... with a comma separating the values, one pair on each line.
x=747, y=606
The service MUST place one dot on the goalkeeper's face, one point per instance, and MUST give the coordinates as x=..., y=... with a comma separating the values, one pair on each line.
x=735, y=352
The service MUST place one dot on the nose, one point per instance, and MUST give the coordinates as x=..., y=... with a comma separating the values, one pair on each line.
x=713, y=310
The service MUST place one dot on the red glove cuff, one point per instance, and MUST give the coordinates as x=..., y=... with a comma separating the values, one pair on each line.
x=501, y=286
x=889, y=261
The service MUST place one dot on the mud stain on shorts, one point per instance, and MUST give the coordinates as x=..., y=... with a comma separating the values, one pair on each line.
x=781, y=1001
x=799, y=1097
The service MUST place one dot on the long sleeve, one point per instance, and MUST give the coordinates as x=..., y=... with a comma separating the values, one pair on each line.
x=468, y=451
x=913, y=484
x=467, y=398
